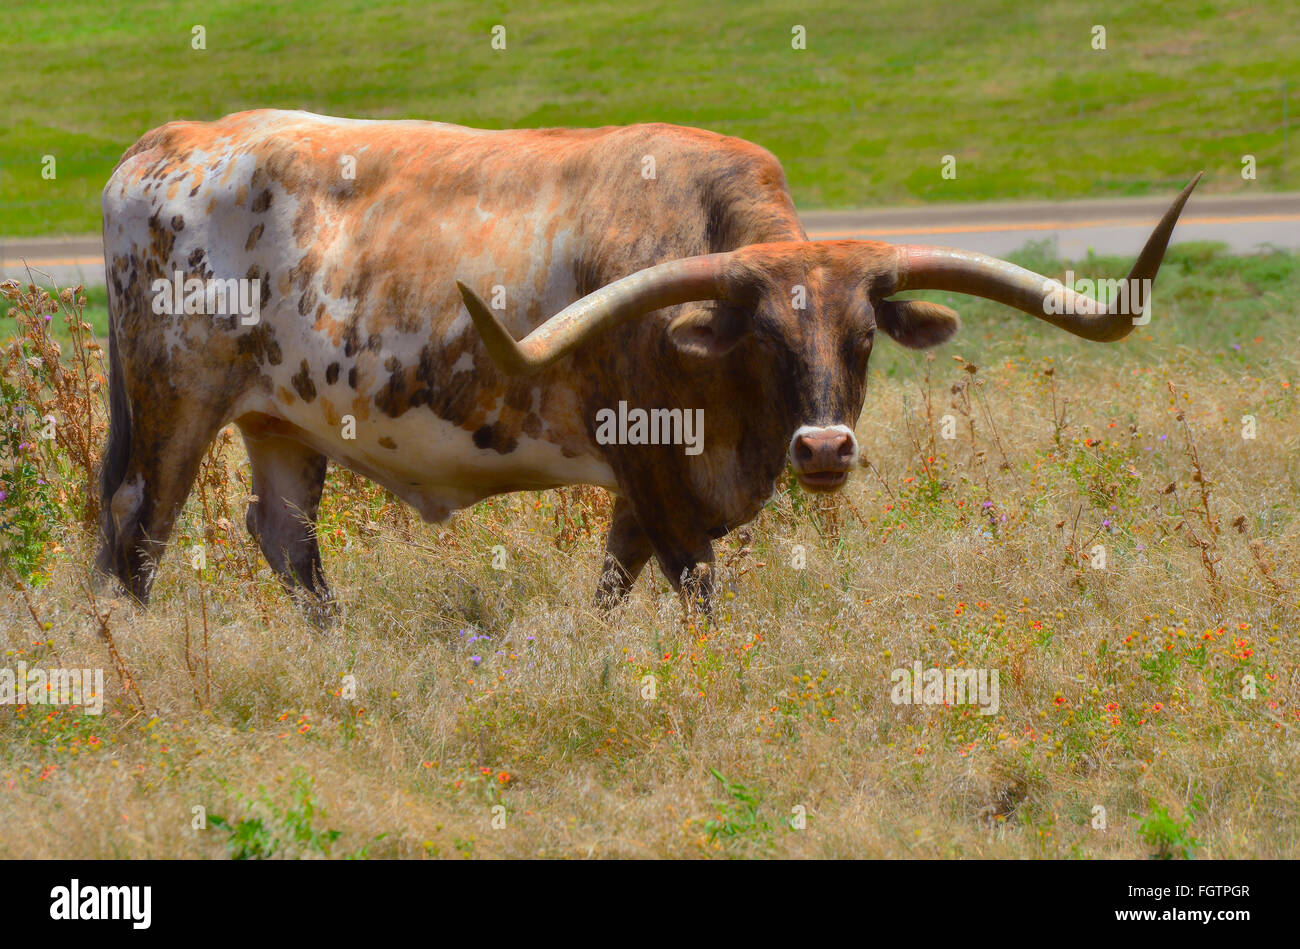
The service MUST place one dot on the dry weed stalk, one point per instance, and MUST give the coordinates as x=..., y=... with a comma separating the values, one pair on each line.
x=1059, y=417
x=1208, y=545
x=580, y=511
x=101, y=618
x=69, y=390
x=1256, y=547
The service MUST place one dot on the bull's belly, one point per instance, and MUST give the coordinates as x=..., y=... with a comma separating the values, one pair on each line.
x=428, y=462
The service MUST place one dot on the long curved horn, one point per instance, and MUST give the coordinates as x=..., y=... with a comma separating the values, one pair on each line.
x=678, y=281
x=921, y=267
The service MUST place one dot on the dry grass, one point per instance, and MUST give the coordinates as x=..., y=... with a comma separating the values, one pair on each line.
x=476, y=687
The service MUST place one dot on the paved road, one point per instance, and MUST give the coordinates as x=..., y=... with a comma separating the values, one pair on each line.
x=1244, y=223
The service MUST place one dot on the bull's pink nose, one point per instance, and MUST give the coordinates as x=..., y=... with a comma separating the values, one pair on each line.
x=827, y=450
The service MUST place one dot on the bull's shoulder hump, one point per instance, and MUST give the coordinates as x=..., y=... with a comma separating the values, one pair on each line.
x=690, y=138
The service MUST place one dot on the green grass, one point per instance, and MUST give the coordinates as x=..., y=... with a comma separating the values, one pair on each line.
x=861, y=117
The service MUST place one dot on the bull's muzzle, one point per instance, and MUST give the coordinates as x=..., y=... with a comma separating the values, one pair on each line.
x=823, y=456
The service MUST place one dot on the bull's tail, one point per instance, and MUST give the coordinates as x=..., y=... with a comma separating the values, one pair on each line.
x=116, y=457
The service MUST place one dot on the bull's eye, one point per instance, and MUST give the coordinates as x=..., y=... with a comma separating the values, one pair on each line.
x=865, y=342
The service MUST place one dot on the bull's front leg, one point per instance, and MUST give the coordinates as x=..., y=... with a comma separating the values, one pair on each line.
x=627, y=549
x=690, y=569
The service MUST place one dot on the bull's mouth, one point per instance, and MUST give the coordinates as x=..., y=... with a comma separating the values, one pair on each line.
x=821, y=480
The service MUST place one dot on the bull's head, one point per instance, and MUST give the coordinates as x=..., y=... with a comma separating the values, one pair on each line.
x=821, y=347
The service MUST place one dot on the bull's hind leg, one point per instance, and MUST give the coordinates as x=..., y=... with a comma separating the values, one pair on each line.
x=627, y=549
x=146, y=493
x=288, y=478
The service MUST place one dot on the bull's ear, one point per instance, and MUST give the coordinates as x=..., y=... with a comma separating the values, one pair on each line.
x=916, y=323
x=708, y=331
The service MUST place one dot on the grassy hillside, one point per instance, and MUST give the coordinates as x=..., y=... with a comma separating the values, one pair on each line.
x=862, y=116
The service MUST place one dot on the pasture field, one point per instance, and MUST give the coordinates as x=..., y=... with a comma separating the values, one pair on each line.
x=1148, y=706
x=862, y=116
